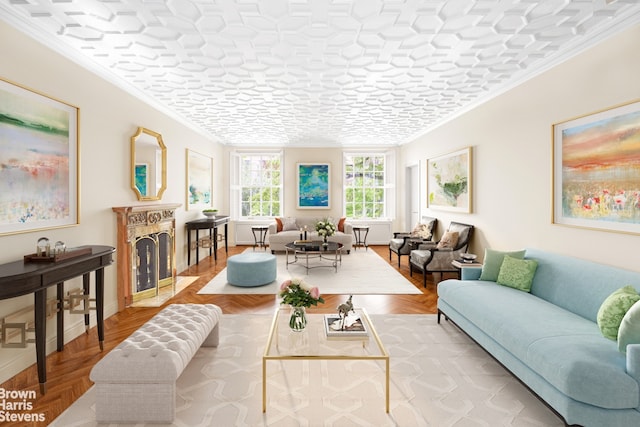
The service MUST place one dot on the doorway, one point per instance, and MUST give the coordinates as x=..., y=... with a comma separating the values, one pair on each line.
x=412, y=196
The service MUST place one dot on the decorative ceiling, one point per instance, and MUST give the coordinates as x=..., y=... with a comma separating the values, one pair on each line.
x=318, y=72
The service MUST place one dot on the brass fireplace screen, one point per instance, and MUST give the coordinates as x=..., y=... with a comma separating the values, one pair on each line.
x=153, y=267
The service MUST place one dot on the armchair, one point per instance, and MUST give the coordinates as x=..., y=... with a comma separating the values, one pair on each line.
x=435, y=257
x=403, y=243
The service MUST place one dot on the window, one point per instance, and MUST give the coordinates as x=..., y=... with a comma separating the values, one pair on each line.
x=365, y=185
x=260, y=184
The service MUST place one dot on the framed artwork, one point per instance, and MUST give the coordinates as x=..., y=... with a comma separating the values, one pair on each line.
x=596, y=170
x=199, y=180
x=142, y=178
x=39, y=158
x=313, y=185
x=449, y=181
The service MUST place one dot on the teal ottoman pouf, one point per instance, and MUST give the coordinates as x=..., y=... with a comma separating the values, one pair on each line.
x=251, y=269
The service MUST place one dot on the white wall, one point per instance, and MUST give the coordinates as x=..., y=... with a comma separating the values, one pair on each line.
x=511, y=139
x=108, y=117
x=379, y=232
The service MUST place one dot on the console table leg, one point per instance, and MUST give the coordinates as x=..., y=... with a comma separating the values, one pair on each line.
x=40, y=315
x=197, y=247
x=213, y=234
x=86, y=280
x=226, y=247
x=188, y=248
x=60, y=316
x=100, y=306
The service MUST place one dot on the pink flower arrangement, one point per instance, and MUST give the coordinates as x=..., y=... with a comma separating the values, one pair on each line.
x=298, y=293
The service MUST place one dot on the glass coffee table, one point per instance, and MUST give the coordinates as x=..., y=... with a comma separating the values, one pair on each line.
x=331, y=254
x=281, y=345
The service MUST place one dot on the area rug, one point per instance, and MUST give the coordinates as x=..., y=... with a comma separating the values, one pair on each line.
x=439, y=377
x=360, y=273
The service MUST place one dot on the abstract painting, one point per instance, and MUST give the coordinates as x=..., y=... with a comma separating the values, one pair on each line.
x=38, y=161
x=596, y=170
x=313, y=185
x=199, y=180
x=449, y=181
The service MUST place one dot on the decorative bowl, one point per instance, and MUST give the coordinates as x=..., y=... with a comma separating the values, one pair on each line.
x=469, y=257
x=210, y=213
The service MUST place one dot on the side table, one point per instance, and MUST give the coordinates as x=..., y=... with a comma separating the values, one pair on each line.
x=360, y=241
x=259, y=235
x=459, y=265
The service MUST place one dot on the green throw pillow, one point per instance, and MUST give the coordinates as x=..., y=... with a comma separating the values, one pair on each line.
x=517, y=273
x=493, y=262
x=613, y=310
x=629, y=332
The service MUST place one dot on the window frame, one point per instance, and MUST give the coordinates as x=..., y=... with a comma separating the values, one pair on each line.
x=387, y=185
x=239, y=185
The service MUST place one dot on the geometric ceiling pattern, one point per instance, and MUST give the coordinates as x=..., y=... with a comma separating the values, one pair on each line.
x=317, y=72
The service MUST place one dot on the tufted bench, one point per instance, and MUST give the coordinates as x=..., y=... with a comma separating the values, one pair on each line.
x=136, y=381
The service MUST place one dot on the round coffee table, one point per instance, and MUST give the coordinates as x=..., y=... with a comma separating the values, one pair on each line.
x=315, y=250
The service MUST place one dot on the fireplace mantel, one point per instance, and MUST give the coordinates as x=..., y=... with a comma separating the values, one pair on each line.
x=134, y=222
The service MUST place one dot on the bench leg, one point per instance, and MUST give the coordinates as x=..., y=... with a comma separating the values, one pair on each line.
x=213, y=338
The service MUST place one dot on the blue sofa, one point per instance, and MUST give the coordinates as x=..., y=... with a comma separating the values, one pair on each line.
x=549, y=338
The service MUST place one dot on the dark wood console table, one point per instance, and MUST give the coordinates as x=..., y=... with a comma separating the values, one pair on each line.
x=212, y=225
x=21, y=278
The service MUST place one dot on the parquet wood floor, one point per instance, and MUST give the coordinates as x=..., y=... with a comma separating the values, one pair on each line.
x=68, y=370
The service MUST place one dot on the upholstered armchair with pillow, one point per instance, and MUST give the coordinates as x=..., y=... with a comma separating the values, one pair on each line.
x=436, y=257
x=403, y=243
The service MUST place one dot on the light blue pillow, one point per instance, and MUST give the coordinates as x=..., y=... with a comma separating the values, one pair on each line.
x=493, y=261
x=629, y=332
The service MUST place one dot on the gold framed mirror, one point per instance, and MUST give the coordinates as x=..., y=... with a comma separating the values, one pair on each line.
x=148, y=164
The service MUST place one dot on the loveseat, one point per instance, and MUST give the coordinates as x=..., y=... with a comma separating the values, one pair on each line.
x=287, y=230
x=550, y=337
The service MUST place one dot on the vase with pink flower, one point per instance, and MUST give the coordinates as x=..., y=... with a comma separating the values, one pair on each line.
x=299, y=295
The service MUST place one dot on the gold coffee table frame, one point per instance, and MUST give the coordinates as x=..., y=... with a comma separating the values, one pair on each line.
x=319, y=346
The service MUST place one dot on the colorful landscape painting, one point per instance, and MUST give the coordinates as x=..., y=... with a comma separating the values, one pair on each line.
x=449, y=181
x=38, y=161
x=597, y=175
x=313, y=186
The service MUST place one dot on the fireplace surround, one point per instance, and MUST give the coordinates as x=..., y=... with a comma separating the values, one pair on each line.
x=145, y=251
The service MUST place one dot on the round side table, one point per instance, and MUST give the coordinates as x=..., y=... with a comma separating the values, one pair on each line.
x=358, y=230
x=259, y=235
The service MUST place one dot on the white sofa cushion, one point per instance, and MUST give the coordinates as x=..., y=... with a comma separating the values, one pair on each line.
x=277, y=240
x=289, y=224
